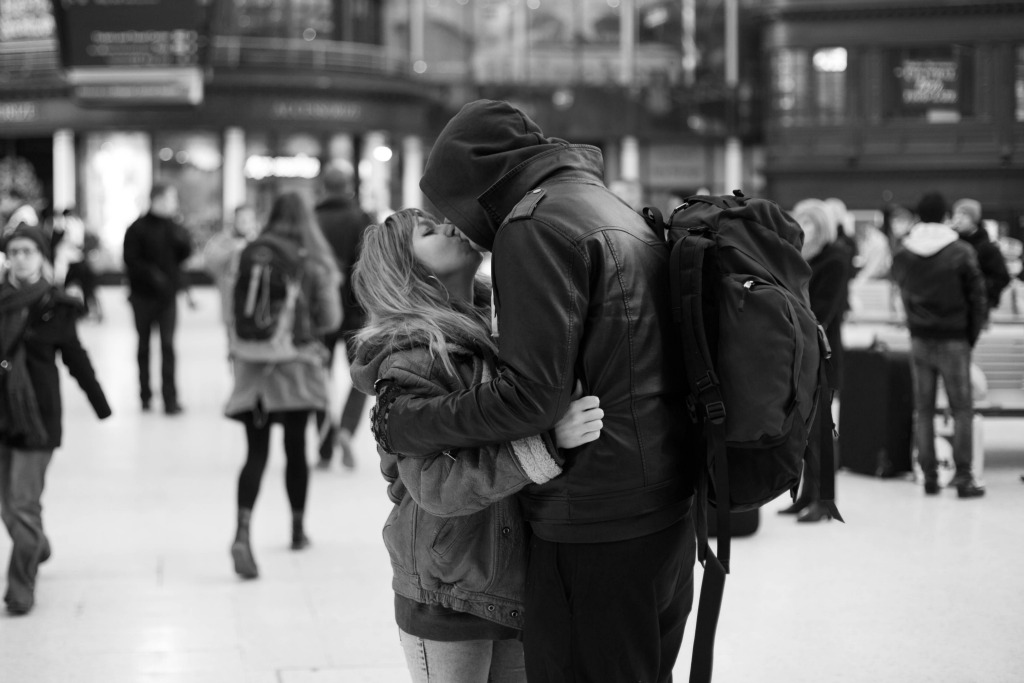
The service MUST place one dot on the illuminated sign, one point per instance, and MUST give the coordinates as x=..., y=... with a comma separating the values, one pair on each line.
x=258, y=167
x=928, y=82
x=130, y=33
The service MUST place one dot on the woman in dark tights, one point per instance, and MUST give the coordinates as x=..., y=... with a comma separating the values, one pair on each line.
x=274, y=385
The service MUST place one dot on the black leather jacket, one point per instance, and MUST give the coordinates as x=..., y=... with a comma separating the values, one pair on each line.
x=580, y=285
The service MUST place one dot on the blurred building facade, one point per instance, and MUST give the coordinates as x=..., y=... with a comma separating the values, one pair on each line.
x=237, y=100
x=879, y=101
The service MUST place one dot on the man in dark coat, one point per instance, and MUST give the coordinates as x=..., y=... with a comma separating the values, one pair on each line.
x=343, y=223
x=967, y=222
x=944, y=296
x=155, y=246
x=580, y=296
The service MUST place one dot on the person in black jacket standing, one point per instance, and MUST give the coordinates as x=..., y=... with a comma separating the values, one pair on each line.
x=944, y=296
x=829, y=260
x=579, y=288
x=343, y=223
x=967, y=222
x=155, y=246
x=37, y=319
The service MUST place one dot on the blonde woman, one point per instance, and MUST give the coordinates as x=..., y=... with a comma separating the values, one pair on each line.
x=37, y=320
x=456, y=535
x=286, y=392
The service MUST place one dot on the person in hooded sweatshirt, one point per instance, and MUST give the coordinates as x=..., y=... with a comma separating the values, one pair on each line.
x=456, y=535
x=943, y=294
x=37, y=320
x=829, y=261
x=580, y=296
x=967, y=222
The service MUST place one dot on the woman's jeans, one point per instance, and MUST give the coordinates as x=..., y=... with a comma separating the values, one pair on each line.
x=949, y=359
x=466, y=661
x=22, y=476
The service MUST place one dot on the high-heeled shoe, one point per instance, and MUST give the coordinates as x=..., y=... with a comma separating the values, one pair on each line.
x=797, y=507
x=815, y=512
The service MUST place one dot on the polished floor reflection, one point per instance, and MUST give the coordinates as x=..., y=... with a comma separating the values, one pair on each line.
x=140, y=512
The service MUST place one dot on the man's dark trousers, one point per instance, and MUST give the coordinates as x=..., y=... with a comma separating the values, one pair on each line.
x=163, y=313
x=600, y=612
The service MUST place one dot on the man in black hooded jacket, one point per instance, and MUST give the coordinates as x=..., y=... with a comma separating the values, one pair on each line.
x=579, y=295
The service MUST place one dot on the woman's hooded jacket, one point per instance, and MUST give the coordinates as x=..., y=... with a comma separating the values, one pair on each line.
x=456, y=535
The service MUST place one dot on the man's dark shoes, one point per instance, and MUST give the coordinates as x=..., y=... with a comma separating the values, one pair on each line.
x=173, y=409
x=815, y=512
x=931, y=488
x=19, y=607
x=970, y=489
x=146, y=406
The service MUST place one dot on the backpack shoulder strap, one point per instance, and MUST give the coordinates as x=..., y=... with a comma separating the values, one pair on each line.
x=691, y=256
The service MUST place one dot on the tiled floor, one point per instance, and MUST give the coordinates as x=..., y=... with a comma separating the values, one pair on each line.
x=140, y=511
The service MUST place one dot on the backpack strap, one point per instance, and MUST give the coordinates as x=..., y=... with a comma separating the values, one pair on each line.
x=688, y=259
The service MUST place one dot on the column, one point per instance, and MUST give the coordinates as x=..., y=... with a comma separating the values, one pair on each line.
x=64, y=190
x=733, y=150
x=412, y=170
x=629, y=168
x=234, y=171
x=375, y=174
x=627, y=42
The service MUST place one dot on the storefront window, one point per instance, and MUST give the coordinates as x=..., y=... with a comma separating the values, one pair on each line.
x=116, y=177
x=934, y=84
x=275, y=164
x=829, y=65
x=790, y=88
x=1019, y=84
x=192, y=162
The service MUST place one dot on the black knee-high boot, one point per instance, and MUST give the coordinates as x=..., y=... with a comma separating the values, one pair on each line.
x=241, y=552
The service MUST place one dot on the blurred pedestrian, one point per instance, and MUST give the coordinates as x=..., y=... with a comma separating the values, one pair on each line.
x=155, y=246
x=343, y=222
x=830, y=272
x=37, y=320
x=459, y=616
x=967, y=222
x=943, y=294
x=220, y=257
x=284, y=392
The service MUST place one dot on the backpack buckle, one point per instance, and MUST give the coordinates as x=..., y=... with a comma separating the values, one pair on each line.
x=716, y=412
x=706, y=382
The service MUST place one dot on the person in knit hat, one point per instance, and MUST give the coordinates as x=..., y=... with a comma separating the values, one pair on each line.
x=37, y=320
x=967, y=222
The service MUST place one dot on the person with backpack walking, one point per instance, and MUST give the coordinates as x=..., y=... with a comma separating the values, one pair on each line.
x=943, y=293
x=456, y=537
x=155, y=246
x=342, y=221
x=827, y=289
x=580, y=295
x=285, y=299
x=37, y=320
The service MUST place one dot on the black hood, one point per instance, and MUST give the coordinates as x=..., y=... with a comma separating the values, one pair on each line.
x=482, y=144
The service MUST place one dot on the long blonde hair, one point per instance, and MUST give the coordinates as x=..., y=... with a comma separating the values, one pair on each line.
x=406, y=305
x=292, y=219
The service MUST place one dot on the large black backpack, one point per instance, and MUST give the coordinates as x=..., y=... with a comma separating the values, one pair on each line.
x=265, y=297
x=756, y=363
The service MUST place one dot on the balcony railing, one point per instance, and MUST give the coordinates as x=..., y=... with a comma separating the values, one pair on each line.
x=322, y=55
x=25, y=61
